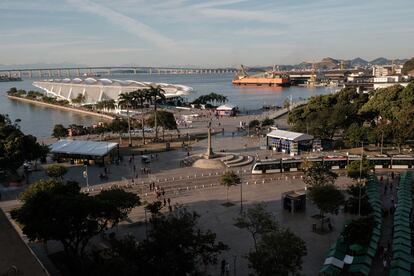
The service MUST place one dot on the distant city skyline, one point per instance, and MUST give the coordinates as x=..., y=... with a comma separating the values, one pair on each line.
x=217, y=33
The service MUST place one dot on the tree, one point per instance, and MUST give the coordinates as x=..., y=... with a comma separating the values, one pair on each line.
x=257, y=221
x=327, y=198
x=56, y=171
x=229, y=178
x=175, y=247
x=267, y=122
x=165, y=119
x=59, y=131
x=127, y=100
x=155, y=93
x=358, y=194
x=80, y=99
x=105, y=104
x=253, y=124
x=359, y=231
x=356, y=171
x=286, y=104
x=318, y=174
x=16, y=147
x=56, y=211
x=408, y=66
x=278, y=253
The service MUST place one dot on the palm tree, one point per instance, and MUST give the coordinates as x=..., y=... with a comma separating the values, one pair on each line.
x=155, y=93
x=109, y=104
x=141, y=96
x=126, y=100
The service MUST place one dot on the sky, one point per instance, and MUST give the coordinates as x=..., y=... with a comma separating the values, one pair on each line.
x=202, y=33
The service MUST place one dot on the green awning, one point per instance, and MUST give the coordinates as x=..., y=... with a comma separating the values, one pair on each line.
x=403, y=256
x=366, y=260
x=399, y=272
x=359, y=268
x=401, y=264
x=401, y=248
x=329, y=270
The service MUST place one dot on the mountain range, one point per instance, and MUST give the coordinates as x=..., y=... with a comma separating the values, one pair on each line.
x=327, y=63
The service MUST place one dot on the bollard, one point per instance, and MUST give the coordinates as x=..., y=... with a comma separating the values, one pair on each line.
x=247, y=183
x=293, y=177
x=263, y=182
x=195, y=187
x=203, y=185
x=187, y=188
x=286, y=178
x=209, y=174
x=146, y=194
x=202, y=174
x=181, y=177
x=211, y=184
x=188, y=176
x=255, y=182
x=195, y=176
x=165, y=180
x=173, y=179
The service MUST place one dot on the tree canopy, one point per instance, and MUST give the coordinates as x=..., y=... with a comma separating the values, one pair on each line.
x=318, y=174
x=228, y=179
x=211, y=98
x=408, y=66
x=385, y=113
x=257, y=221
x=56, y=171
x=356, y=171
x=52, y=210
x=16, y=147
x=277, y=250
x=278, y=253
x=174, y=246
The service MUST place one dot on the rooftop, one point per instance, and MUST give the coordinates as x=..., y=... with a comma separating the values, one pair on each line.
x=81, y=147
x=289, y=135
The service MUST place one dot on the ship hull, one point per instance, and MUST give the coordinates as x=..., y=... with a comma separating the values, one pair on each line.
x=262, y=82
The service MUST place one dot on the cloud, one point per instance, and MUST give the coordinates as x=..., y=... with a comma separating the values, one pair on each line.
x=127, y=23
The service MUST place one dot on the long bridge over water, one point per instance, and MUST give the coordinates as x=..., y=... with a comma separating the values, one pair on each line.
x=108, y=71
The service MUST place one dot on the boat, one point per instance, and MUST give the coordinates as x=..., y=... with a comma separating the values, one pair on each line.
x=266, y=79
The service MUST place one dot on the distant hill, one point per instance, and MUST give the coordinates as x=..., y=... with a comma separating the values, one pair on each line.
x=380, y=61
x=358, y=62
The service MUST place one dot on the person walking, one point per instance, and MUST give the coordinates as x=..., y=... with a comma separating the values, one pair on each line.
x=222, y=267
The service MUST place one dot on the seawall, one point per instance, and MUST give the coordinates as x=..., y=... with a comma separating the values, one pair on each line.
x=65, y=108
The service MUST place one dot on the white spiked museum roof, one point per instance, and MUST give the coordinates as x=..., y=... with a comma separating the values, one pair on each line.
x=82, y=147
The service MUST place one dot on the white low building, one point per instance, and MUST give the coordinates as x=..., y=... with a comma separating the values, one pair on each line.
x=96, y=90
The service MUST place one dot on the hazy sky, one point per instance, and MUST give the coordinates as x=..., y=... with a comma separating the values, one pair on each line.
x=202, y=32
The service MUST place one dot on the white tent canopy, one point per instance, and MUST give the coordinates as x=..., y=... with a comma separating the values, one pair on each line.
x=81, y=147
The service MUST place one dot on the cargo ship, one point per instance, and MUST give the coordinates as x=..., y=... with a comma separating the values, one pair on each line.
x=268, y=78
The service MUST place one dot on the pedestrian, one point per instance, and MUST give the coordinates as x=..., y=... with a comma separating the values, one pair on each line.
x=169, y=201
x=156, y=156
x=163, y=192
x=385, y=189
x=170, y=208
x=384, y=262
x=165, y=202
x=227, y=269
x=222, y=267
x=392, y=199
x=133, y=181
x=133, y=156
x=134, y=168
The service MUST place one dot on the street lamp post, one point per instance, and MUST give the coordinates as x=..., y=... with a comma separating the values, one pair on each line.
x=360, y=179
x=241, y=196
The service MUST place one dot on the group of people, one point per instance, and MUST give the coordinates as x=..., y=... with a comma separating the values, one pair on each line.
x=160, y=193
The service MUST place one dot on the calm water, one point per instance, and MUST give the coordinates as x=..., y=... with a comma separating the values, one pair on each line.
x=39, y=121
